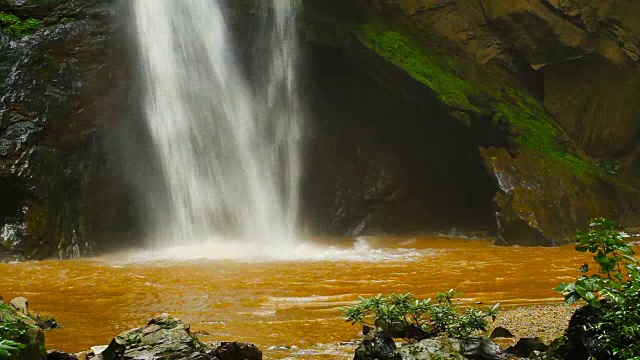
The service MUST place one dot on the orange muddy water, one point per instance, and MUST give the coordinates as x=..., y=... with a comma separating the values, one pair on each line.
x=285, y=303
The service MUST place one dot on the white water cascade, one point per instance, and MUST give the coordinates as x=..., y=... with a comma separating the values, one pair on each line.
x=229, y=150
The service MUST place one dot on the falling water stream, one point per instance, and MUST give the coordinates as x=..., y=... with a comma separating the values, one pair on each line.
x=228, y=148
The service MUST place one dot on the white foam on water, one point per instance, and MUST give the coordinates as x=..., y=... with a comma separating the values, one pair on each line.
x=225, y=249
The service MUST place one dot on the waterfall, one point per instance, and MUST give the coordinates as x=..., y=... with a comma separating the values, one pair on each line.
x=228, y=148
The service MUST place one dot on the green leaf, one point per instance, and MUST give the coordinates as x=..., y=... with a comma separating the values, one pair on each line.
x=626, y=250
x=586, y=294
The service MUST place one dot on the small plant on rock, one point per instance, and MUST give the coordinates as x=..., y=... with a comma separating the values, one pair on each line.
x=14, y=26
x=405, y=317
x=614, y=290
x=9, y=348
x=11, y=333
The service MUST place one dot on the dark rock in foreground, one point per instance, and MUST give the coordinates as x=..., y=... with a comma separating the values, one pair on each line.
x=45, y=322
x=375, y=345
x=168, y=338
x=60, y=355
x=500, y=332
x=481, y=348
x=446, y=349
x=237, y=351
x=380, y=346
x=526, y=346
x=164, y=338
x=578, y=342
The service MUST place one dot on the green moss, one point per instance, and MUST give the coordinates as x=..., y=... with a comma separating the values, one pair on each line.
x=14, y=26
x=405, y=53
x=531, y=127
x=534, y=129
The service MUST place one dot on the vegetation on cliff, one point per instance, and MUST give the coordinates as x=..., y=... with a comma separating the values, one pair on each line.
x=14, y=26
x=530, y=126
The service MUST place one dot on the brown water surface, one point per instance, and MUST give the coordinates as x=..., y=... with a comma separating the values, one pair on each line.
x=279, y=303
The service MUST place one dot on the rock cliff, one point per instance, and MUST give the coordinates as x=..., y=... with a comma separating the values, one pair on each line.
x=558, y=78
x=427, y=115
x=58, y=90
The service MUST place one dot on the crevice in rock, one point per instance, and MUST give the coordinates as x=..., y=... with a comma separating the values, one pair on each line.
x=12, y=197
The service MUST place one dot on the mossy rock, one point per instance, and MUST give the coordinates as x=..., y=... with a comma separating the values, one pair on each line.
x=14, y=26
x=565, y=186
x=21, y=328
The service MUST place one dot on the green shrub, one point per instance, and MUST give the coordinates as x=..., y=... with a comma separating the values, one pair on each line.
x=14, y=26
x=9, y=348
x=11, y=333
x=615, y=289
x=404, y=316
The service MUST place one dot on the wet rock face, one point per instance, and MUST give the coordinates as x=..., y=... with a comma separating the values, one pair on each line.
x=57, y=90
x=380, y=162
x=581, y=57
x=541, y=204
x=393, y=163
x=569, y=58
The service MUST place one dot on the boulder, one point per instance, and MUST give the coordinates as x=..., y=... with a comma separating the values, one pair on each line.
x=376, y=345
x=379, y=346
x=481, y=348
x=21, y=305
x=60, y=355
x=46, y=322
x=526, y=346
x=578, y=342
x=237, y=351
x=114, y=351
x=500, y=332
x=164, y=337
x=436, y=349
